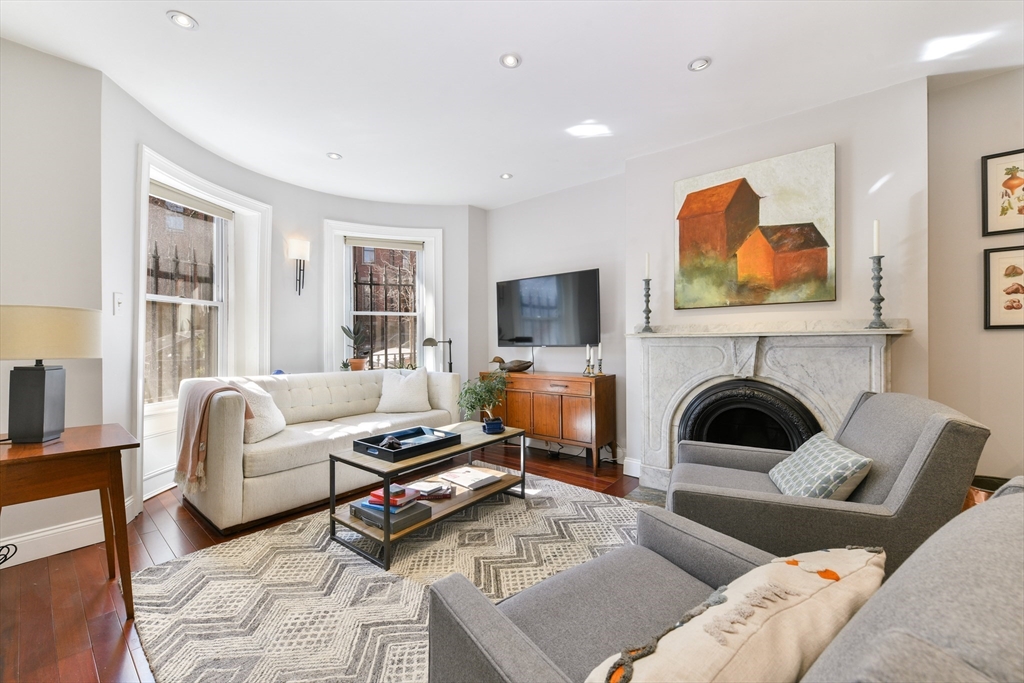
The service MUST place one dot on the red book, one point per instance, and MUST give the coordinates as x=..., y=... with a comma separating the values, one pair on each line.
x=399, y=496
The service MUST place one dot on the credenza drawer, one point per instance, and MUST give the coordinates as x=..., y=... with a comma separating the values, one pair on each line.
x=550, y=386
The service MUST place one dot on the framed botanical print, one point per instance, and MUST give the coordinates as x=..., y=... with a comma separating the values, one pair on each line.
x=1004, y=288
x=1002, y=193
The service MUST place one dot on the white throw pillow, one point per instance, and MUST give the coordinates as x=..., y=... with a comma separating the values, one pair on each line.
x=404, y=393
x=821, y=468
x=774, y=622
x=267, y=418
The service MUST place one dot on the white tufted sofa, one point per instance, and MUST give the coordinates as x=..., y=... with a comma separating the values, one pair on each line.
x=324, y=412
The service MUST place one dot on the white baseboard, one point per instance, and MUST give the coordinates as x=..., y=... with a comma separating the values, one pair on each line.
x=59, y=538
x=631, y=467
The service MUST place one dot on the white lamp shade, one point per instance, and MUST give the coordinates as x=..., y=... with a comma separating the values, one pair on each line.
x=298, y=249
x=38, y=332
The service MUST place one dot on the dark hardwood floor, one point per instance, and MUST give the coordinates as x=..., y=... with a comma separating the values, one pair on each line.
x=61, y=619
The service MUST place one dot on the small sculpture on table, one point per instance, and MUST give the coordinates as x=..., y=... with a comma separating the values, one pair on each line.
x=512, y=365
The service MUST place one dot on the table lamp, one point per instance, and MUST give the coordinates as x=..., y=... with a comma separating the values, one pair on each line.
x=36, y=410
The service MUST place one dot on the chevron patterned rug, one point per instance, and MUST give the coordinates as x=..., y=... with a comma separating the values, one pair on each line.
x=288, y=604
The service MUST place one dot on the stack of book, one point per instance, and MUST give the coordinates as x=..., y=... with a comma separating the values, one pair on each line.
x=404, y=508
x=432, y=490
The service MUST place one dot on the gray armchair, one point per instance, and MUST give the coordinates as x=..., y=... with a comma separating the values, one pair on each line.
x=924, y=454
x=951, y=613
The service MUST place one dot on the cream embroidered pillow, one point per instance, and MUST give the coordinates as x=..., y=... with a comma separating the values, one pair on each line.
x=404, y=393
x=267, y=418
x=775, y=621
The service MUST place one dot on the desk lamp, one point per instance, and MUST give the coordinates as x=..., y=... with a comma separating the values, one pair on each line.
x=430, y=341
x=36, y=408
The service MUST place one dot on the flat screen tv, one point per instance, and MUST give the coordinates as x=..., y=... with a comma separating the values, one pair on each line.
x=553, y=310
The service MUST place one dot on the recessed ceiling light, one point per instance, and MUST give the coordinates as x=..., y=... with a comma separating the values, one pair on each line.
x=699, y=64
x=506, y=176
x=510, y=60
x=182, y=20
x=589, y=129
x=333, y=155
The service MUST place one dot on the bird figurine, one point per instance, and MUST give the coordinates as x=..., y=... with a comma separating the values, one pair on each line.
x=512, y=365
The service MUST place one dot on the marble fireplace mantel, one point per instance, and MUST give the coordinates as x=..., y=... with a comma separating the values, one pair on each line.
x=824, y=364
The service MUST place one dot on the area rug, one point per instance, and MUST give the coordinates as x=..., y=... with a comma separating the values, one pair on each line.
x=288, y=604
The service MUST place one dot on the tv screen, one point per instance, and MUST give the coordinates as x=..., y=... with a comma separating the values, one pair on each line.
x=553, y=310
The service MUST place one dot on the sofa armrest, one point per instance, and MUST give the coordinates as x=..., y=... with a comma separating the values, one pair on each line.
x=443, y=392
x=221, y=502
x=727, y=455
x=703, y=553
x=785, y=525
x=472, y=641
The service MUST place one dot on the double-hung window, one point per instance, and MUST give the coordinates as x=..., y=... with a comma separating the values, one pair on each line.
x=186, y=310
x=387, y=301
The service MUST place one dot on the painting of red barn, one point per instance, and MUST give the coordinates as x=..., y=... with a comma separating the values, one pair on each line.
x=762, y=233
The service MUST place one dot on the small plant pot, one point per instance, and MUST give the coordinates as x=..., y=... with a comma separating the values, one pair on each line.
x=357, y=363
x=493, y=425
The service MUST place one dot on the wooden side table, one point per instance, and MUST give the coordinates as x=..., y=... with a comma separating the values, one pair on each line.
x=82, y=459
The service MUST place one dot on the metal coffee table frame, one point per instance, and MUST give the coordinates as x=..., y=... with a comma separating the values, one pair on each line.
x=473, y=439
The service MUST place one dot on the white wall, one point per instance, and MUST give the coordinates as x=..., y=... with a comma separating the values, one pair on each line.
x=977, y=371
x=50, y=232
x=612, y=223
x=575, y=229
x=69, y=156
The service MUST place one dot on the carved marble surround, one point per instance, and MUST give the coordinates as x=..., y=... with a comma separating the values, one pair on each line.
x=824, y=365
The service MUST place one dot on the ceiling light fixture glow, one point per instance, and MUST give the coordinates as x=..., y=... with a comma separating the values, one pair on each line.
x=182, y=20
x=949, y=45
x=699, y=64
x=510, y=60
x=506, y=176
x=333, y=155
x=589, y=129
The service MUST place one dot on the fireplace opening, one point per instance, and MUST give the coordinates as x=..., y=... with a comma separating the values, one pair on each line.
x=746, y=412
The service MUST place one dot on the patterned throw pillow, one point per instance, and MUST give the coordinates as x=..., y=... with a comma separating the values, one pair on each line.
x=820, y=468
x=768, y=625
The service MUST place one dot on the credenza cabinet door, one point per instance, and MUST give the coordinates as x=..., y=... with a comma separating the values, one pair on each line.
x=576, y=419
x=547, y=415
x=518, y=409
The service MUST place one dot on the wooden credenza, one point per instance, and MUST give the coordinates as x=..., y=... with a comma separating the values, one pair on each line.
x=562, y=407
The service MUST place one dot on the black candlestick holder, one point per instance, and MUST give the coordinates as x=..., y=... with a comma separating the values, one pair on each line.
x=877, y=299
x=647, y=307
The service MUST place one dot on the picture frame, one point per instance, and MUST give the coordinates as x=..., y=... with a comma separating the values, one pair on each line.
x=1002, y=193
x=1004, y=288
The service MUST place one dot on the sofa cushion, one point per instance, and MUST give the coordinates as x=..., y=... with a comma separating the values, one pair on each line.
x=581, y=614
x=772, y=624
x=404, y=393
x=820, y=468
x=722, y=477
x=310, y=442
x=266, y=419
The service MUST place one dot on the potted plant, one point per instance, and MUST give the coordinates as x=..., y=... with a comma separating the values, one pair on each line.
x=357, y=336
x=485, y=394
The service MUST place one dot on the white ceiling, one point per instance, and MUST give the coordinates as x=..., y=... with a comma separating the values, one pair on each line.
x=412, y=94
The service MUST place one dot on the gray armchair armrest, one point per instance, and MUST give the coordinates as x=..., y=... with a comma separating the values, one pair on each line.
x=471, y=641
x=790, y=524
x=703, y=553
x=727, y=455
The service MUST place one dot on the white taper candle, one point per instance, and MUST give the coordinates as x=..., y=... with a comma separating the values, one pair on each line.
x=877, y=252
x=647, y=266
x=600, y=356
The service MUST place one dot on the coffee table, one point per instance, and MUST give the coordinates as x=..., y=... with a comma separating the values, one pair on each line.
x=473, y=437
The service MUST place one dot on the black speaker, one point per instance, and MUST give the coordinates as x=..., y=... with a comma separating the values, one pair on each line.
x=36, y=411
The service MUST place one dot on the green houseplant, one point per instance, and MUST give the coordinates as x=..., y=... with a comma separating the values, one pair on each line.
x=485, y=394
x=357, y=335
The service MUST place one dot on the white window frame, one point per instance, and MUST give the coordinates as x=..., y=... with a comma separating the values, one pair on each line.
x=338, y=285
x=421, y=297
x=247, y=244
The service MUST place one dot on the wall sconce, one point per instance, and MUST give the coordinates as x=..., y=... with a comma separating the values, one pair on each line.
x=299, y=250
x=430, y=341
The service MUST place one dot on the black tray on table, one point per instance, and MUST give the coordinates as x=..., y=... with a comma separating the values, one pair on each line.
x=415, y=441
